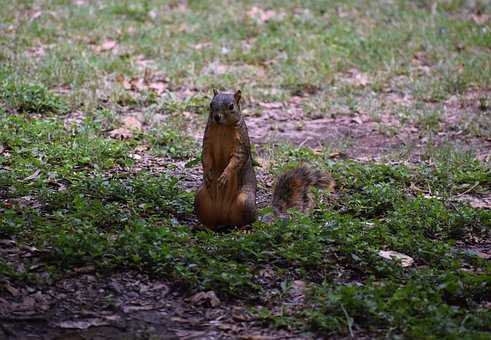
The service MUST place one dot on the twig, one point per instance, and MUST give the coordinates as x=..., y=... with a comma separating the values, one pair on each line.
x=304, y=141
x=349, y=321
x=468, y=190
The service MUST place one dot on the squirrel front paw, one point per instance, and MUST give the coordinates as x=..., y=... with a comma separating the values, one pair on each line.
x=208, y=178
x=223, y=180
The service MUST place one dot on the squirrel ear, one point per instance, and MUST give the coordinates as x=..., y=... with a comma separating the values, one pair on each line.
x=237, y=96
x=215, y=92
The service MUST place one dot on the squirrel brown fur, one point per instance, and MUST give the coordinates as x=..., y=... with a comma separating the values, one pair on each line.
x=227, y=196
x=292, y=189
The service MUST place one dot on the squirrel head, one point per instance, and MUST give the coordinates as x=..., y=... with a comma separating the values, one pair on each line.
x=225, y=107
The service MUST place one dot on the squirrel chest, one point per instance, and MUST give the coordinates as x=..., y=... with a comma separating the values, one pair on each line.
x=224, y=141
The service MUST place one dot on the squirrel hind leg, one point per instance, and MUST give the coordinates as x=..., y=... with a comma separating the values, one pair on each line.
x=243, y=210
x=205, y=209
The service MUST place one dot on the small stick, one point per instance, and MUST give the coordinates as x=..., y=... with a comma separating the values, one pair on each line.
x=470, y=189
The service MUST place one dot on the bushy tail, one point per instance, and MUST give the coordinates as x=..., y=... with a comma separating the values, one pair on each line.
x=292, y=188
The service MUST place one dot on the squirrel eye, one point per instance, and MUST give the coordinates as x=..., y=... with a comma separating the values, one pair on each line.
x=231, y=106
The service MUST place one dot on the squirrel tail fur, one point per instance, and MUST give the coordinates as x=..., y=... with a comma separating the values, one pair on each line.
x=292, y=189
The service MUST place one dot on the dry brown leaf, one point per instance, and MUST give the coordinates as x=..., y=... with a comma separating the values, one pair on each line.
x=480, y=19
x=272, y=105
x=36, y=15
x=201, y=46
x=87, y=323
x=406, y=261
x=262, y=16
x=136, y=84
x=267, y=273
x=216, y=68
x=357, y=120
x=205, y=298
x=158, y=86
x=357, y=78
x=133, y=308
x=107, y=45
x=132, y=123
x=121, y=133
x=12, y=290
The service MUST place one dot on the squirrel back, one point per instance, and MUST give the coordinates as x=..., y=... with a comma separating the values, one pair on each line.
x=292, y=189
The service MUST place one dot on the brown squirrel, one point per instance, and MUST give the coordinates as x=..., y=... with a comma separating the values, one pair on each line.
x=227, y=196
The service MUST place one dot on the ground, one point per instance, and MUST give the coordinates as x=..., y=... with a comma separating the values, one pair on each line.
x=102, y=110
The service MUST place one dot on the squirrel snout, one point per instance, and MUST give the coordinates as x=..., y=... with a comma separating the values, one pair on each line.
x=217, y=117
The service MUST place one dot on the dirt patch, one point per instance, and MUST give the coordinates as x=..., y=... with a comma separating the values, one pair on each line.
x=358, y=134
x=130, y=305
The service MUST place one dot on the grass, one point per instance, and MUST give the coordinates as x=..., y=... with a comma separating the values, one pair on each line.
x=74, y=193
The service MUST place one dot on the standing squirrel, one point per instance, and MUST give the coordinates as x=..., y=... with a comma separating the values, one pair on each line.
x=227, y=196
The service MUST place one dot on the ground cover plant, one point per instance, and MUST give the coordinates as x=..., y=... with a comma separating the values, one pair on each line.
x=102, y=107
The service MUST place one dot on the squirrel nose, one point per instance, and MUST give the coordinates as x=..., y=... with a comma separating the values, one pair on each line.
x=217, y=118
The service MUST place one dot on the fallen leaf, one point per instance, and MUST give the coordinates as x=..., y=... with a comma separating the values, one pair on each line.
x=272, y=105
x=201, y=46
x=216, y=68
x=12, y=290
x=87, y=323
x=132, y=123
x=241, y=314
x=357, y=78
x=267, y=273
x=406, y=261
x=36, y=15
x=122, y=80
x=158, y=86
x=357, y=120
x=336, y=154
x=133, y=308
x=205, y=298
x=121, y=133
x=107, y=45
x=480, y=19
x=137, y=84
x=262, y=16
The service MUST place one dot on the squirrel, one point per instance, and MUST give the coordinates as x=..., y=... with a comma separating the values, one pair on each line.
x=227, y=196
